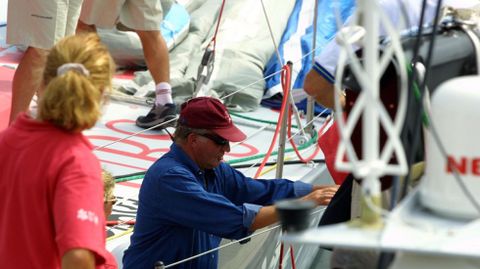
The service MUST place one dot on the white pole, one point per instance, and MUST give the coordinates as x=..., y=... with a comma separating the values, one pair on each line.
x=370, y=119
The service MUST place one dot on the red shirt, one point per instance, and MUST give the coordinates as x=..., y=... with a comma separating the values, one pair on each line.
x=328, y=142
x=51, y=196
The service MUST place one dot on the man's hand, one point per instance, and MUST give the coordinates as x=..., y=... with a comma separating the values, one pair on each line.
x=321, y=194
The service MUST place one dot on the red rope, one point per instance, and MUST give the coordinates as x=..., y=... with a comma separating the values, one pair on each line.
x=285, y=76
x=214, y=38
x=292, y=257
x=117, y=222
x=280, y=262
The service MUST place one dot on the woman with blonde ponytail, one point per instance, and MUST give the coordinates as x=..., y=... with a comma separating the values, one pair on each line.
x=77, y=74
x=51, y=207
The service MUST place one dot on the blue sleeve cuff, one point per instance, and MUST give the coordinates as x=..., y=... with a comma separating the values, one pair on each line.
x=249, y=213
x=301, y=188
x=324, y=72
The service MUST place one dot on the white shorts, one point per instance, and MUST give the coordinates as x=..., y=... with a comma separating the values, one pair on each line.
x=143, y=15
x=41, y=23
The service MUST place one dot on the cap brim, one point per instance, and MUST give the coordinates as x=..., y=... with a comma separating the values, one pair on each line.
x=232, y=133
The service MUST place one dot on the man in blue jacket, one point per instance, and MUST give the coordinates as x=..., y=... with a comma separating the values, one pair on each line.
x=190, y=198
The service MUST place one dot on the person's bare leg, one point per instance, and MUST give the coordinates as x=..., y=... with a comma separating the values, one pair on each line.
x=26, y=80
x=155, y=52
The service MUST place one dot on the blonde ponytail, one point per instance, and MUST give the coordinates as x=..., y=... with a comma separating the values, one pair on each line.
x=77, y=75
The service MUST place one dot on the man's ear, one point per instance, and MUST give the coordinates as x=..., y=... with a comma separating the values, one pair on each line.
x=192, y=138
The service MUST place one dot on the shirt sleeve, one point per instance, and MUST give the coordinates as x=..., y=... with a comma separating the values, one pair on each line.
x=249, y=213
x=326, y=61
x=241, y=189
x=78, y=207
x=301, y=188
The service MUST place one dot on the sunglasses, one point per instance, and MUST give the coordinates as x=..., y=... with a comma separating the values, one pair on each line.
x=113, y=200
x=216, y=139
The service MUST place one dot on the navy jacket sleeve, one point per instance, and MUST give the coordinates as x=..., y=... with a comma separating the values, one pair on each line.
x=241, y=189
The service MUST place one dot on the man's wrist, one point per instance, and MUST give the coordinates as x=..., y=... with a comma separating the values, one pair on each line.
x=301, y=188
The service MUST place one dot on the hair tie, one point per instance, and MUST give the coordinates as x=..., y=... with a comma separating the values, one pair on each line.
x=77, y=67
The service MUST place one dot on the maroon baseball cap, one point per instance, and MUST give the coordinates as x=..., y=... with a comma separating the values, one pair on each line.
x=209, y=113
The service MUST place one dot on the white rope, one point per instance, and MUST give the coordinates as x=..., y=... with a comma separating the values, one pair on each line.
x=222, y=246
x=232, y=243
x=271, y=35
x=271, y=75
x=257, y=132
x=134, y=134
x=251, y=84
x=120, y=222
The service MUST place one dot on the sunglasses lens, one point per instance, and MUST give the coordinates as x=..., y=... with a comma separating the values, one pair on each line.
x=217, y=139
x=220, y=140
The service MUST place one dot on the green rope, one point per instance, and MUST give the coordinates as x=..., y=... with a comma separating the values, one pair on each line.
x=258, y=156
x=310, y=142
x=257, y=120
x=129, y=178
